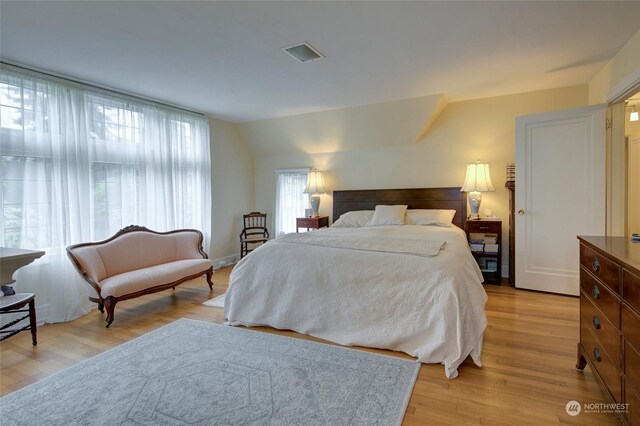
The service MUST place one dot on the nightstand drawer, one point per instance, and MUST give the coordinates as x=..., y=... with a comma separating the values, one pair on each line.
x=484, y=226
x=307, y=222
x=312, y=222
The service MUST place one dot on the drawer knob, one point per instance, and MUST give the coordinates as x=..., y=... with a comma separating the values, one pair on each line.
x=595, y=292
x=520, y=212
x=596, y=322
x=596, y=264
x=597, y=355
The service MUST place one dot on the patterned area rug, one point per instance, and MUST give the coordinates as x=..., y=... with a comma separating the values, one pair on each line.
x=192, y=372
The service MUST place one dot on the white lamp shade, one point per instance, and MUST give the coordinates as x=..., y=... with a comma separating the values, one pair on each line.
x=315, y=183
x=478, y=179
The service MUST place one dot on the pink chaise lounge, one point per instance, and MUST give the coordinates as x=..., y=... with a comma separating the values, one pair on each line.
x=137, y=261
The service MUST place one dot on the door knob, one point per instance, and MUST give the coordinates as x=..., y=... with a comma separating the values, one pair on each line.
x=520, y=212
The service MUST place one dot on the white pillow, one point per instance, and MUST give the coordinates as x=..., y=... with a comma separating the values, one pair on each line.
x=388, y=215
x=430, y=217
x=354, y=219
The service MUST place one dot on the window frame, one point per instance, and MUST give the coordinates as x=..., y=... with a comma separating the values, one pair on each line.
x=277, y=173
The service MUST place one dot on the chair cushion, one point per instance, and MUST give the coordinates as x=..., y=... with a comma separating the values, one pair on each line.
x=145, y=278
x=253, y=239
x=15, y=301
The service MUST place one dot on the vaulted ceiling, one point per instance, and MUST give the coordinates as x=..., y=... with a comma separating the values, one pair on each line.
x=225, y=58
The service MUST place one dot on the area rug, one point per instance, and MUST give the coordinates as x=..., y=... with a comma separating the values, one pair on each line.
x=192, y=372
x=216, y=302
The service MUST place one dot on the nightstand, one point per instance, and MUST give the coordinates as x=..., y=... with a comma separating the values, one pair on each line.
x=312, y=222
x=485, y=241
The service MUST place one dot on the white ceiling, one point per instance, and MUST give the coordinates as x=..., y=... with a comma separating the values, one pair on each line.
x=224, y=58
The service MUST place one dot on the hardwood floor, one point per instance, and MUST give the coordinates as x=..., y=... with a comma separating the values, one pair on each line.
x=529, y=356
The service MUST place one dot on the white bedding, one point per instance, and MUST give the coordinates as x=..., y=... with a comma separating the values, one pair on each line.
x=428, y=307
x=387, y=244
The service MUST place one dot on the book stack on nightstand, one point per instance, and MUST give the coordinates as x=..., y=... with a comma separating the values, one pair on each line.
x=484, y=238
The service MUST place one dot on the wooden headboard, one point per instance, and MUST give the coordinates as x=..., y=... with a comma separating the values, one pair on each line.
x=415, y=198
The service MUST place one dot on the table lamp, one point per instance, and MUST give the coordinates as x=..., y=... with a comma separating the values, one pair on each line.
x=315, y=187
x=478, y=180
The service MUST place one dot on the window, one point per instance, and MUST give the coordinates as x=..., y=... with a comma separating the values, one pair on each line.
x=26, y=201
x=291, y=201
x=27, y=172
x=111, y=121
x=23, y=106
x=78, y=164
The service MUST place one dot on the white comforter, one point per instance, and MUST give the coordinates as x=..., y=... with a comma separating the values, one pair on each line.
x=428, y=307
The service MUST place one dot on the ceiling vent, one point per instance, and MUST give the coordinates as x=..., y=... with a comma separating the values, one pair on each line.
x=303, y=52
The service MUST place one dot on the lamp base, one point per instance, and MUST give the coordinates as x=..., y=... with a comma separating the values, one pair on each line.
x=475, y=198
x=315, y=205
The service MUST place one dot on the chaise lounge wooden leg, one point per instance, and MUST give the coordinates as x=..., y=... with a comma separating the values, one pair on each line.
x=209, y=276
x=101, y=307
x=110, y=304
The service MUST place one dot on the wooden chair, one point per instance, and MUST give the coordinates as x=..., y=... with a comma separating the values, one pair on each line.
x=254, y=232
x=13, y=304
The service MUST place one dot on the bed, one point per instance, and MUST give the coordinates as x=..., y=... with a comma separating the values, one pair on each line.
x=430, y=307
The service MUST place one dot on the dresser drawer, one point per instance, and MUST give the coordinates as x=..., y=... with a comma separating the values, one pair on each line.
x=606, y=368
x=632, y=398
x=630, y=326
x=606, y=334
x=606, y=271
x=631, y=289
x=632, y=365
x=601, y=296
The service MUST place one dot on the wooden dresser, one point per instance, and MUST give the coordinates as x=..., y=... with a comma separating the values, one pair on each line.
x=610, y=319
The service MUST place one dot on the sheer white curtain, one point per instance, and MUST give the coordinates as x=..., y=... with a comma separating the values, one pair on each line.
x=79, y=164
x=290, y=199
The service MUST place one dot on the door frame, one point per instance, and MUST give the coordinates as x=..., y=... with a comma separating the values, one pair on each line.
x=617, y=172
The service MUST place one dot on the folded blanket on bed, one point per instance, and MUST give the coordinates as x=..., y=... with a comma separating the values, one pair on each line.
x=424, y=248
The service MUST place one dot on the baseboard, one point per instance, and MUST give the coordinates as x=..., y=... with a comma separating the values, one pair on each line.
x=225, y=261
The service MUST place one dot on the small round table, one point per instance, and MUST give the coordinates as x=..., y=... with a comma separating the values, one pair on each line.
x=13, y=304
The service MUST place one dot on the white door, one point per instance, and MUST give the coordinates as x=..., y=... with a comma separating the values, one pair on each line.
x=633, y=220
x=560, y=194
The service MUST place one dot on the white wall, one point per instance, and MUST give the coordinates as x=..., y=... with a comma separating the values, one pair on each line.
x=346, y=129
x=618, y=73
x=232, y=186
x=464, y=132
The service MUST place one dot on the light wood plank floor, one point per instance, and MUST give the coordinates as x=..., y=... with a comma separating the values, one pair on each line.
x=529, y=356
